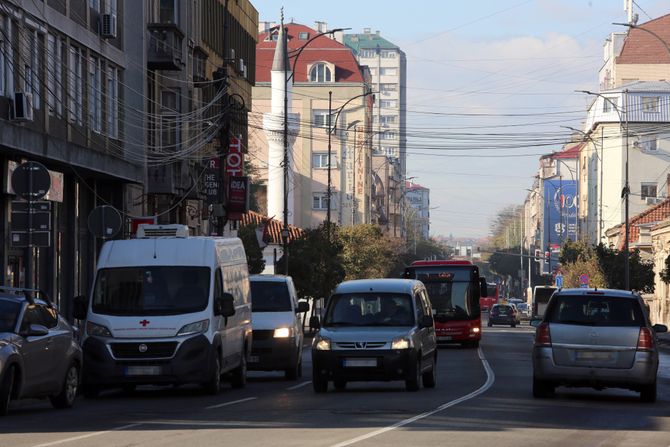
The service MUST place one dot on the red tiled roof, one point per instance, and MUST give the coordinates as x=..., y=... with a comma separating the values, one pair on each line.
x=642, y=47
x=274, y=227
x=409, y=186
x=656, y=213
x=572, y=152
x=322, y=48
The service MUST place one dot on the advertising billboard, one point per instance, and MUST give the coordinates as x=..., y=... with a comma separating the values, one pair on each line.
x=560, y=217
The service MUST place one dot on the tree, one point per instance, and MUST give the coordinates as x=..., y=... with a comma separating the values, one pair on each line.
x=585, y=263
x=612, y=263
x=505, y=264
x=366, y=252
x=253, y=251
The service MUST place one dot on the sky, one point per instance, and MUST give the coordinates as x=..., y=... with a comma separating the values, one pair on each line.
x=490, y=88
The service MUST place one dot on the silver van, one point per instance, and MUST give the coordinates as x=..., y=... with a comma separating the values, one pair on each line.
x=376, y=329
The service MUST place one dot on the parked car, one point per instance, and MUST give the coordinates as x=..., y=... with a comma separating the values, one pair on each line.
x=524, y=311
x=277, y=328
x=39, y=354
x=596, y=338
x=503, y=314
x=376, y=329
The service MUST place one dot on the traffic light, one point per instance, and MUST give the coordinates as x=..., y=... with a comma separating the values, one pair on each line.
x=547, y=254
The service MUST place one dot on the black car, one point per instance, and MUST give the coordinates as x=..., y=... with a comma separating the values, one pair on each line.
x=503, y=314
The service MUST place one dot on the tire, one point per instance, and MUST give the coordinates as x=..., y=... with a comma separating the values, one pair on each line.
x=6, y=389
x=340, y=385
x=489, y=324
x=648, y=393
x=90, y=391
x=239, y=377
x=513, y=325
x=414, y=382
x=294, y=371
x=319, y=383
x=68, y=393
x=542, y=389
x=430, y=377
x=213, y=386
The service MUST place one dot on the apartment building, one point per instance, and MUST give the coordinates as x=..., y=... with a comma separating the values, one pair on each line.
x=417, y=198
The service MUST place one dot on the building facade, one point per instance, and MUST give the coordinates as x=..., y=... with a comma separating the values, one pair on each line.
x=417, y=198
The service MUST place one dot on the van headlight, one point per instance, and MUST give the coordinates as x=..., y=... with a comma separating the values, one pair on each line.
x=322, y=344
x=194, y=328
x=283, y=332
x=401, y=343
x=97, y=330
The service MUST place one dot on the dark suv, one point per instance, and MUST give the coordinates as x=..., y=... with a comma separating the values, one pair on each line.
x=503, y=314
x=39, y=354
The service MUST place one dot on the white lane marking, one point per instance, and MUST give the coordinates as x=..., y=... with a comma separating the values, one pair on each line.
x=490, y=379
x=225, y=404
x=300, y=385
x=89, y=435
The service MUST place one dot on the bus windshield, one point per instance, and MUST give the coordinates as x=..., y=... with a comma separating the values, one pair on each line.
x=453, y=291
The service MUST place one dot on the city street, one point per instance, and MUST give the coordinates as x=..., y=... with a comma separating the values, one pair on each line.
x=478, y=401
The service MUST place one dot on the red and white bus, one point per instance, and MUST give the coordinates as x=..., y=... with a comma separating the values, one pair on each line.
x=491, y=298
x=454, y=289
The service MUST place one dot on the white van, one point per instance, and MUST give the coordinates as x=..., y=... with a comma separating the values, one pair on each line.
x=167, y=308
x=277, y=336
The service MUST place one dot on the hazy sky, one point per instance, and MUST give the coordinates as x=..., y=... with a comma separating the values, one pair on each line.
x=490, y=84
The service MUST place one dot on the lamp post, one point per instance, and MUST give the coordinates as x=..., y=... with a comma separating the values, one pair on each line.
x=353, y=169
x=625, y=193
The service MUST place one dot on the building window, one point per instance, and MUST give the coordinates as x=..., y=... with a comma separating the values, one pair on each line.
x=95, y=5
x=2, y=55
x=388, y=71
x=75, y=87
x=648, y=190
x=320, y=160
x=169, y=11
x=367, y=54
x=390, y=151
x=170, y=126
x=650, y=104
x=388, y=103
x=320, y=201
x=389, y=54
x=320, y=118
x=388, y=88
x=7, y=50
x=649, y=144
x=110, y=7
x=113, y=102
x=95, y=95
x=320, y=73
x=303, y=35
x=388, y=119
x=388, y=135
x=610, y=104
x=32, y=67
x=55, y=49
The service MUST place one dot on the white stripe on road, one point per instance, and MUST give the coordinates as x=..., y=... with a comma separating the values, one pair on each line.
x=225, y=404
x=300, y=385
x=490, y=379
x=89, y=435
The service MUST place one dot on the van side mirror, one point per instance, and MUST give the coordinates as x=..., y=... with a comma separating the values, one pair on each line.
x=660, y=328
x=224, y=305
x=303, y=306
x=35, y=330
x=535, y=322
x=483, y=288
x=426, y=321
x=314, y=323
x=80, y=307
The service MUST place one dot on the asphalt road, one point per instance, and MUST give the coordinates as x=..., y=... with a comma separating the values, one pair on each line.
x=482, y=398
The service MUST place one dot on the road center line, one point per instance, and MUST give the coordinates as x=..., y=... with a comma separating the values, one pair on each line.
x=490, y=379
x=89, y=435
x=225, y=404
x=300, y=385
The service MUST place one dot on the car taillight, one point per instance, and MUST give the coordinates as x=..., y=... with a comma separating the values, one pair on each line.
x=645, y=341
x=542, y=335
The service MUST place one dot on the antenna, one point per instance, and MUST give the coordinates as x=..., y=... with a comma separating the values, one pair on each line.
x=628, y=7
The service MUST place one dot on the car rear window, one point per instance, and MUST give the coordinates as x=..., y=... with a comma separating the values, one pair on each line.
x=270, y=296
x=591, y=310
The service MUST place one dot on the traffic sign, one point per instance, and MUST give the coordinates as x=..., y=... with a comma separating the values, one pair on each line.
x=104, y=221
x=559, y=281
x=39, y=205
x=39, y=221
x=36, y=239
x=31, y=180
x=584, y=280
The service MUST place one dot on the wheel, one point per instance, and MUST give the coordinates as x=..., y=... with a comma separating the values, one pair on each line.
x=430, y=377
x=489, y=324
x=294, y=371
x=340, y=384
x=90, y=391
x=513, y=325
x=213, y=386
x=6, y=389
x=319, y=383
x=300, y=369
x=648, y=393
x=68, y=393
x=414, y=382
x=239, y=379
x=542, y=389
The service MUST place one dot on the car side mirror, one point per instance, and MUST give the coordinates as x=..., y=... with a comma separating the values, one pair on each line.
x=314, y=323
x=36, y=330
x=535, y=322
x=225, y=305
x=426, y=321
x=303, y=306
x=80, y=307
x=483, y=288
x=660, y=328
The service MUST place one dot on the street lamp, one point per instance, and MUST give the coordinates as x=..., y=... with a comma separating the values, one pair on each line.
x=353, y=174
x=625, y=193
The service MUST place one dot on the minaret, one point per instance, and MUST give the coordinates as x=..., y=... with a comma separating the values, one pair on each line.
x=273, y=125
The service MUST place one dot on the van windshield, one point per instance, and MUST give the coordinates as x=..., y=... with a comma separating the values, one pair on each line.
x=369, y=309
x=151, y=290
x=270, y=296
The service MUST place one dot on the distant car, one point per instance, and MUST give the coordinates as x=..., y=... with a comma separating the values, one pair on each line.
x=376, y=329
x=503, y=314
x=524, y=311
x=39, y=354
x=596, y=338
x=516, y=301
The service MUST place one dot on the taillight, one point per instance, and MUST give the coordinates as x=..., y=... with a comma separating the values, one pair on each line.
x=542, y=335
x=645, y=341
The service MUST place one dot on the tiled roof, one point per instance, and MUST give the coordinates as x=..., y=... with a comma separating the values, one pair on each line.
x=322, y=48
x=273, y=230
x=409, y=186
x=642, y=47
x=358, y=42
x=571, y=152
x=656, y=213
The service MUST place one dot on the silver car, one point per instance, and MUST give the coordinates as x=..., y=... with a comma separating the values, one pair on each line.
x=39, y=354
x=376, y=329
x=595, y=338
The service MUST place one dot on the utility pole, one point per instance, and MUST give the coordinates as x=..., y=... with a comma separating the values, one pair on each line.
x=285, y=230
x=224, y=130
x=626, y=194
x=329, y=187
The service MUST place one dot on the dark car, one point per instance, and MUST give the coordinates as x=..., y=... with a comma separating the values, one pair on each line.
x=39, y=354
x=503, y=314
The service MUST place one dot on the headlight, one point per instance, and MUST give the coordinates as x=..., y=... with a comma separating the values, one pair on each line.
x=194, y=328
x=322, y=344
x=475, y=330
x=97, y=330
x=283, y=332
x=401, y=343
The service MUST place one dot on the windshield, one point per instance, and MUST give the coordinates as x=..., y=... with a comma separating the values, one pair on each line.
x=453, y=292
x=152, y=290
x=595, y=311
x=270, y=296
x=9, y=312
x=370, y=309
x=492, y=291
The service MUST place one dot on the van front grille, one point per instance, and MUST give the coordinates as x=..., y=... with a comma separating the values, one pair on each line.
x=153, y=350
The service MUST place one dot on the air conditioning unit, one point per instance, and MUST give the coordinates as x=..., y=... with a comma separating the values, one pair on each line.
x=145, y=231
x=240, y=66
x=244, y=73
x=230, y=55
x=23, y=106
x=108, y=26
x=653, y=200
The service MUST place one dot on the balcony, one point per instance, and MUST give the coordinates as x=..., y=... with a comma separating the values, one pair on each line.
x=165, y=47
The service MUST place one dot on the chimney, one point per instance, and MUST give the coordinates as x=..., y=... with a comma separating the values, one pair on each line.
x=321, y=27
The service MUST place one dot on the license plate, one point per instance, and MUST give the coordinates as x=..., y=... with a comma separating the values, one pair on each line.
x=254, y=359
x=143, y=370
x=593, y=355
x=360, y=363
x=444, y=338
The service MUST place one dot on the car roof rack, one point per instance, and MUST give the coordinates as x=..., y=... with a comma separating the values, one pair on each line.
x=28, y=294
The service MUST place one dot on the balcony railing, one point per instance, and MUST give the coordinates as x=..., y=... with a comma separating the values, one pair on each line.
x=165, y=47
